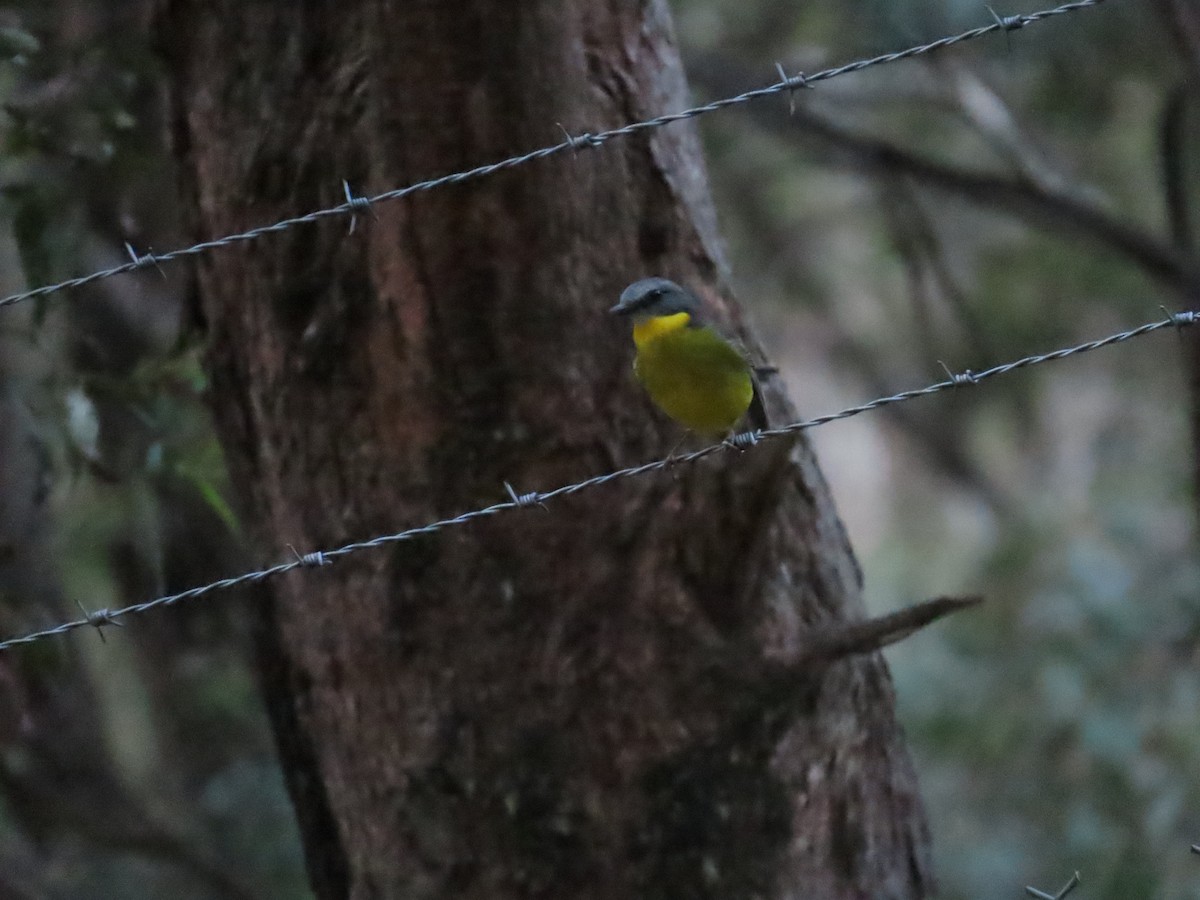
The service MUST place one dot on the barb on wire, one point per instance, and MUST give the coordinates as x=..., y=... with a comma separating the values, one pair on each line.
x=584, y=141
x=98, y=619
x=1062, y=891
x=356, y=204
x=737, y=445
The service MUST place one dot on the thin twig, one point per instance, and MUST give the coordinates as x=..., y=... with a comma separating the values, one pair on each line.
x=1172, y=146
x=838, y=642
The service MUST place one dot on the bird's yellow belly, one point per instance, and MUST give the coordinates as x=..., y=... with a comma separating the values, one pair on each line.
x=696, y=378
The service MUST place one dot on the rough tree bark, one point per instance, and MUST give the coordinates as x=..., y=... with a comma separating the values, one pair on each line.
x=548, y=703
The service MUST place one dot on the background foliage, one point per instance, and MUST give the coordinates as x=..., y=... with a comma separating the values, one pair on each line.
x=1053, y=730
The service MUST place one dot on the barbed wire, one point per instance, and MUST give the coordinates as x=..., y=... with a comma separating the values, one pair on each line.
x=355, y=205
x=100, y=618
x=1060, y=894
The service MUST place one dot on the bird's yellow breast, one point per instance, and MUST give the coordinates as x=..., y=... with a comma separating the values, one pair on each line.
x=692, y=373
x=651, y=329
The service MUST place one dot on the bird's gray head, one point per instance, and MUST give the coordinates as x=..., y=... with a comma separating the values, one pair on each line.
x=655, y=297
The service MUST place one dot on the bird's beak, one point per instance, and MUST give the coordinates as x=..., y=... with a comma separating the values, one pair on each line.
x=619, y=310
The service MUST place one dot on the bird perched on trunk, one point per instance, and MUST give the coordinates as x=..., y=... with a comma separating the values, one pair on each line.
x=691, y=371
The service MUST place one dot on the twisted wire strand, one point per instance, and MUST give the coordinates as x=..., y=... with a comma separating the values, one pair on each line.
x=104, y=617
x=355, y=205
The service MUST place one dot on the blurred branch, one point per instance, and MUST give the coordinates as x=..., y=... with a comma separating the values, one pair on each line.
x=1023, y=198
x=897, y=216
x=1182, y=21
x=917, y=241
x=91, y=804
x=991, y=117
x=1172, y=143
x=1181, y=18
x=936, y=436
x=176, y=851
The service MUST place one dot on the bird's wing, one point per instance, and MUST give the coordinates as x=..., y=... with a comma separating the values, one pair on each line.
x=756, y=415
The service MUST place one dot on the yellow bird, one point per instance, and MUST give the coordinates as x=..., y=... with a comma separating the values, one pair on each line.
x=691, y=372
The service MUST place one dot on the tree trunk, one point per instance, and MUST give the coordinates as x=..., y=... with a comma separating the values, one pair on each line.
x=545, y=703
